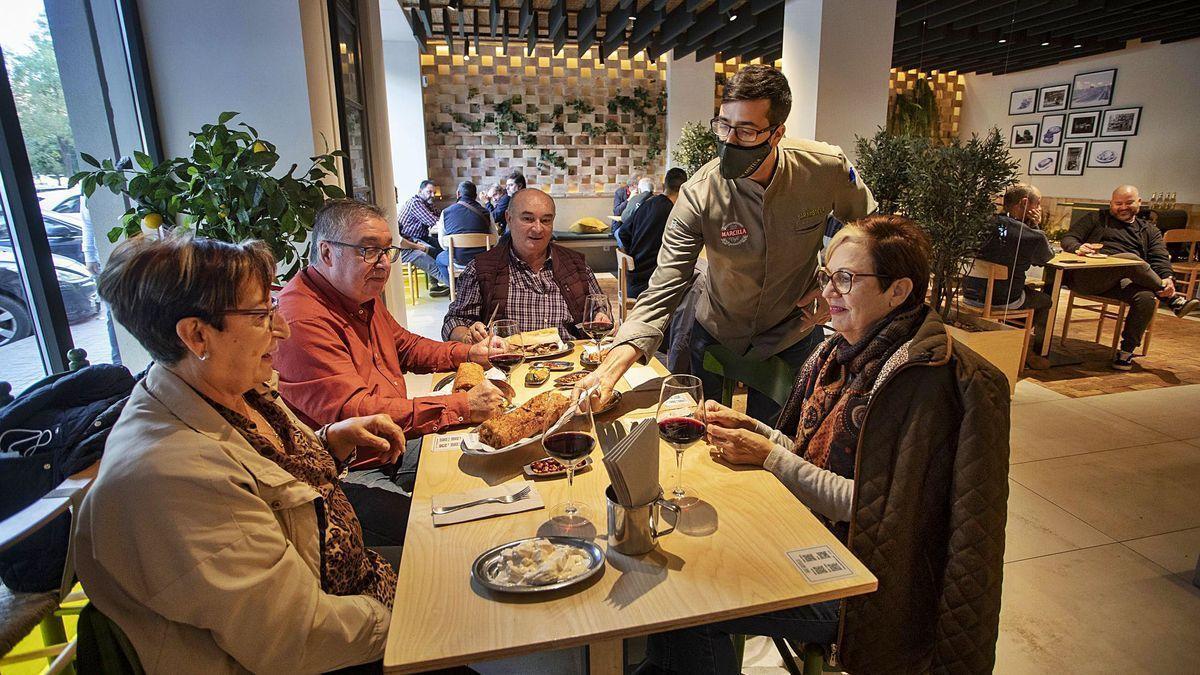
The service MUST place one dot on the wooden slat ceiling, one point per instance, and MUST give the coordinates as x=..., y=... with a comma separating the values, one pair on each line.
x=1004, y=36
x=724, y=28
x=984, y=36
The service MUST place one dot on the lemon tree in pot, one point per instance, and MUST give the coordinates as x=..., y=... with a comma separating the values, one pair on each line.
x=225, y=190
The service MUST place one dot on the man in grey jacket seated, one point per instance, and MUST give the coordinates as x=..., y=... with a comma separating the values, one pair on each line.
x=1119, y=232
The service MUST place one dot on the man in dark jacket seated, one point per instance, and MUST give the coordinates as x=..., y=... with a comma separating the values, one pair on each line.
x=465, y=216
x=1119, y=232
x=641, y=236
x=514, y=182
x=526, y=278
x=1017, y=243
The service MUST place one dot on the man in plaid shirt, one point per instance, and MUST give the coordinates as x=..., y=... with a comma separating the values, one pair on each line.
x=526, y=277
x=416, y=246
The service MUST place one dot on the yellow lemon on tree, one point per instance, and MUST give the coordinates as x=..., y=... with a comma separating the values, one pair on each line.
x=152, y=221
x=259, y=146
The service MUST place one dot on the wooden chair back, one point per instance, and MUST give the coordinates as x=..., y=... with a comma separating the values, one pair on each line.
x=624, y=267
x=483, y=240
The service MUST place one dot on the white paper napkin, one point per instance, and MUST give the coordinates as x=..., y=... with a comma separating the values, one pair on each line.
x=639, y=377
x=530, y=503
x=633, y=464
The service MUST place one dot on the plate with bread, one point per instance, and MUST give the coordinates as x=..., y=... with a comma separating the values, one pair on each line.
x=470, y=374
x=516, y=428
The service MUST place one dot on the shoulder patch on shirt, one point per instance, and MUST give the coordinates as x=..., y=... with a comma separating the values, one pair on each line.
x=734, y=234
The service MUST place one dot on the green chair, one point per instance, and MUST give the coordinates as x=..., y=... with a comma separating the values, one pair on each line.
x=103, y=646
x=772, y=377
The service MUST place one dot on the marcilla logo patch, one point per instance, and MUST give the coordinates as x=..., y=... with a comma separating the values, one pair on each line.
x=734, y=234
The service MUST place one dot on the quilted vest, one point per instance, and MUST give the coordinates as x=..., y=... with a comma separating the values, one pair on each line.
x=569, y=268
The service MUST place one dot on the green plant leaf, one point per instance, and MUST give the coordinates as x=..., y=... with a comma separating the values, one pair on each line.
x=143, y=160
x=115, y=234
x=89, y=159
x=225, y=117
x=333, y=191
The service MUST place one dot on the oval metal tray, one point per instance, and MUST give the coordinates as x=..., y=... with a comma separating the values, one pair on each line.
x=483, y=570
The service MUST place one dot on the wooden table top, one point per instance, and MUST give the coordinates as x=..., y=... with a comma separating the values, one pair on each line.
x=1072, y=261
x=727, y=559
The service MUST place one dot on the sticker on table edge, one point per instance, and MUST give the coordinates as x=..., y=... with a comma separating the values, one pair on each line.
x=819, y=564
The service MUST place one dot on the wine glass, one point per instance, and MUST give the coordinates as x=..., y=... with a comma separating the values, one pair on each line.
x=570, y=438
x=597, y=318
x=506, y=353
x=681, y=422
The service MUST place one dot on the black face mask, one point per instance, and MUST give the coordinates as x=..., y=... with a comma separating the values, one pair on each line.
x=739, y=161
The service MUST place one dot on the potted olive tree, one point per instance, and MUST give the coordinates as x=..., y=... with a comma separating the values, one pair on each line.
x=950, y=191
x=697, y=146
x=224, y=190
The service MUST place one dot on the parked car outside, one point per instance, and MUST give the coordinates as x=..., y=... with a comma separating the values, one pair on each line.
x=78, y=289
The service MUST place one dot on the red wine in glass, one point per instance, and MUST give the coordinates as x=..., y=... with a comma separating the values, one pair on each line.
x=680, y=430
x=506, y=362
x=598, y=330
x=569, y=447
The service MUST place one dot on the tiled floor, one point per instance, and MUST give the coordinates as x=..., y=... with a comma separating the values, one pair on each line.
x=1103, y=534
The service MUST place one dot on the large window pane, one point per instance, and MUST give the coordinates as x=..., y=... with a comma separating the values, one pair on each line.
x=67, y=99
x=18, y=347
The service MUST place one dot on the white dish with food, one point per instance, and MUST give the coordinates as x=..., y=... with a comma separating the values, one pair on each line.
x=537, y=564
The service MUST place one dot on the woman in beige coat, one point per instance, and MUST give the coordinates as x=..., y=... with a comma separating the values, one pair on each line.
x=216, y=534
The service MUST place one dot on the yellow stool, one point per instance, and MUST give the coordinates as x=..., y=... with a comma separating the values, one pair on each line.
x=412, y=280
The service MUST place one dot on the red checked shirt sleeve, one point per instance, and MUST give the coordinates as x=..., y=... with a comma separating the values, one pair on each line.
x=319, y=378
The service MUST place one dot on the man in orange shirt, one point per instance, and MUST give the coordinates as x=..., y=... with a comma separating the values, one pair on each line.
x=347, y=356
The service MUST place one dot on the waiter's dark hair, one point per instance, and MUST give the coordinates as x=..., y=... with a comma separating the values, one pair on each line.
x=899, y=248
x=676, y=177
x=759, y=81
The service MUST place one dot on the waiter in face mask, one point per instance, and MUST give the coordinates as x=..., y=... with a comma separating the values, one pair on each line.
x=759, y=210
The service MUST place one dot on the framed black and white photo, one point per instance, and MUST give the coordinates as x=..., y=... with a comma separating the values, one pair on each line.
x=1082, y=124
x=1120, y=121
x=1043, y=162
x=1052, y=131
x=1106, y=154
x=1073, y=157
x=1023, y=101
x=1093, y=90
x=1024, y=136
x=1053, y=98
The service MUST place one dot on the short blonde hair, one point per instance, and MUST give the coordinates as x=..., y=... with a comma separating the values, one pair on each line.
x=898, y=247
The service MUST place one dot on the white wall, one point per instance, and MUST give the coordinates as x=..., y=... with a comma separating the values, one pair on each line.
x=217, y=55
x=1163, y=156
x=856, y=59
x=802, y=63
x=406, y=117
x=690, y=88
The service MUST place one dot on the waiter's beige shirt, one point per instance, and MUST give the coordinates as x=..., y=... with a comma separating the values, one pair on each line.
x=206, y=553
x=761, y=244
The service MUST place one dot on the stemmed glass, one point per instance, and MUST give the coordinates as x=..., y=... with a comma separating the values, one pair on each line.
x=681, y=422
x=507, y=352
x=597, y=318
x=570, y=439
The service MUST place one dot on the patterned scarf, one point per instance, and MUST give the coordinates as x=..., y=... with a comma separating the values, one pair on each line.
x=348, y=567
x=835, y=386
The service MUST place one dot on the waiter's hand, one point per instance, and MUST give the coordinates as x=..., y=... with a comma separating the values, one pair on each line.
x=814, y=313
x=606, y=375
x=378, y=432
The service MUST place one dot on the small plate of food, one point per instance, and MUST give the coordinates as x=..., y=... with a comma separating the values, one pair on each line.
x=537, y=564
x=593, y=354
x=548, y=466
x=559, y=366
x=548, y=350
x=470, y=374
x=517, y=428
x=567, y=381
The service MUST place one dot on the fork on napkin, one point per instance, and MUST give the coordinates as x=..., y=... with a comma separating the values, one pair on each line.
x=444, y=509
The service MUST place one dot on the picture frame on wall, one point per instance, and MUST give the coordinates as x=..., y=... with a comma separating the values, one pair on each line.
x=1082, y=124
x=1024, y=136
x=1022, y=101
x=1043, y=162
x=1106, y=155
x=1052, y=131
x=1053, y=98
x=1094, y=89
x=1121, y=121
x=1074, y=156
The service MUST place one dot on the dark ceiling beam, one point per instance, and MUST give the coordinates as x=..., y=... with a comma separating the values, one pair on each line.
x=532, y=39
x=493, y=16
x=462, y=31
x=933, y=11
x=761, y=27
x=647, y=20
x=979, y=12
x=524, y=15
x=585, y=25
x=1129, y=30
x=507, y=30
x=760, y=6
x=615, y=22
x=909, y=11
x=1040, y=62
x=706, y=24
x=675, y=25
x=726, y=5
x=426, y=14
x=657, y=48
x=761, y=49
x=448, y=29
x=1045, y=16
x=1174, y=32
x=418, y=29
x=692, y=5
x=476, y=27
x=558, y=17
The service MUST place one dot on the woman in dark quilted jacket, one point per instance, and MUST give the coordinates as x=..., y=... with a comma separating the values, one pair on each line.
x=897, y=439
